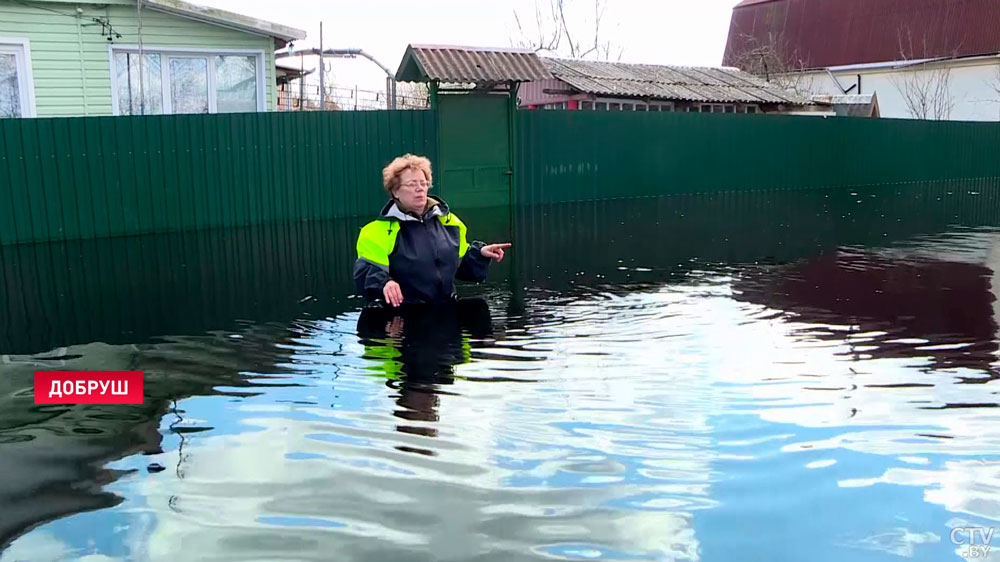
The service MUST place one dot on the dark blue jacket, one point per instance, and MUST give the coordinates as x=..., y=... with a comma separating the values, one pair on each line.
x=424, y=254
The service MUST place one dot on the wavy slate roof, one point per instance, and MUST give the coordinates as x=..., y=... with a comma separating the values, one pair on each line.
x=681, y=83
x=447, y=63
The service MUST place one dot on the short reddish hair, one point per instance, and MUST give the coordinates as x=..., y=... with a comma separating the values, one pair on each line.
x=391, y=173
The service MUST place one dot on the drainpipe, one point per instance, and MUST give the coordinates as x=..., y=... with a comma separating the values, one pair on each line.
x=837, y=82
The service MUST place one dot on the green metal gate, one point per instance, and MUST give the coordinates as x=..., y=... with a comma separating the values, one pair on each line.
x=474, y=167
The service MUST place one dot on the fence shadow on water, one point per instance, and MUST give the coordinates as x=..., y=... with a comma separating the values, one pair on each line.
x=130, y=289
x=566, y=244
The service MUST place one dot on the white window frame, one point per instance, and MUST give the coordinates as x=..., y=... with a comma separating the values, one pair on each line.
x=168, y=101
x=20, y=47
x=712, y=107
x=662, y=105
x=183, y=52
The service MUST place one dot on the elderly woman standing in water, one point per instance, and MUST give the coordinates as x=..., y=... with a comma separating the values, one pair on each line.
x=413, y=252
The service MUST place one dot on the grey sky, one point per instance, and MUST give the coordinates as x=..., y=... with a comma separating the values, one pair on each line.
x=690, y=32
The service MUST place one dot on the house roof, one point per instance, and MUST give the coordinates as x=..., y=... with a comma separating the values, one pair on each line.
x=448, y=63
x=683, y=83
x=825, y=33
x=215, y=16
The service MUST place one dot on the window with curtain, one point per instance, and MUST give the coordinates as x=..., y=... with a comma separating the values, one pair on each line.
x=236, y=83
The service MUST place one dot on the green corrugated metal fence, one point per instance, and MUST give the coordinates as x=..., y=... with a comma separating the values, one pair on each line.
x=590, y=155
x=93, y=177
x=82, y=178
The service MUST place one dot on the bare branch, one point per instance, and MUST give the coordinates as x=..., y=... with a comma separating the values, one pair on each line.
x=552, y=42
x=559, y=34
x=771, y=59
x=520, y=30
x=599, y=8
x=996, y=82
x=559, y=11
x=926, y=88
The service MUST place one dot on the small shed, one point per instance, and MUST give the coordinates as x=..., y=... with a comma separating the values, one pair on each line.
x=849, y=105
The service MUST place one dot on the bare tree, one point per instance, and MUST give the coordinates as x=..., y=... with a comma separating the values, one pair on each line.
x=772, y=59
x=926, y=92
x=564, y=30
x=925, y=86
x=996, y=82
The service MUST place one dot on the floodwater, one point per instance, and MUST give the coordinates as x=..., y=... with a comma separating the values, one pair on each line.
x=805, y=375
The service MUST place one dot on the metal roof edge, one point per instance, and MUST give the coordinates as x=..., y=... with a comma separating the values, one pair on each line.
x=517, y=50
x=747, y=3
x=225, y=18
x=567, y=63
x=904, y=63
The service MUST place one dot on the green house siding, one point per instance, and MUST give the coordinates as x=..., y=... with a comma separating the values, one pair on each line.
x=70, y=58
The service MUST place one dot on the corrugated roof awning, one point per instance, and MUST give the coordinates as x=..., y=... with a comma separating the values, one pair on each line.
x=443, y=63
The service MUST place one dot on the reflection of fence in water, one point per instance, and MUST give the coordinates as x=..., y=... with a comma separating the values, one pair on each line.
x=306, y=97
x=66, y=293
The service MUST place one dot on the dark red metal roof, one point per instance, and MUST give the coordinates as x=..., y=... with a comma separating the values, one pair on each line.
x=825, y=33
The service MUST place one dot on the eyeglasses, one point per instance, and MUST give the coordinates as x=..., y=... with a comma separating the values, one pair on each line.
x=415, y=184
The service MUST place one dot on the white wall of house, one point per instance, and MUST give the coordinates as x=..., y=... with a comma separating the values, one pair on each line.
x=973, y=86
